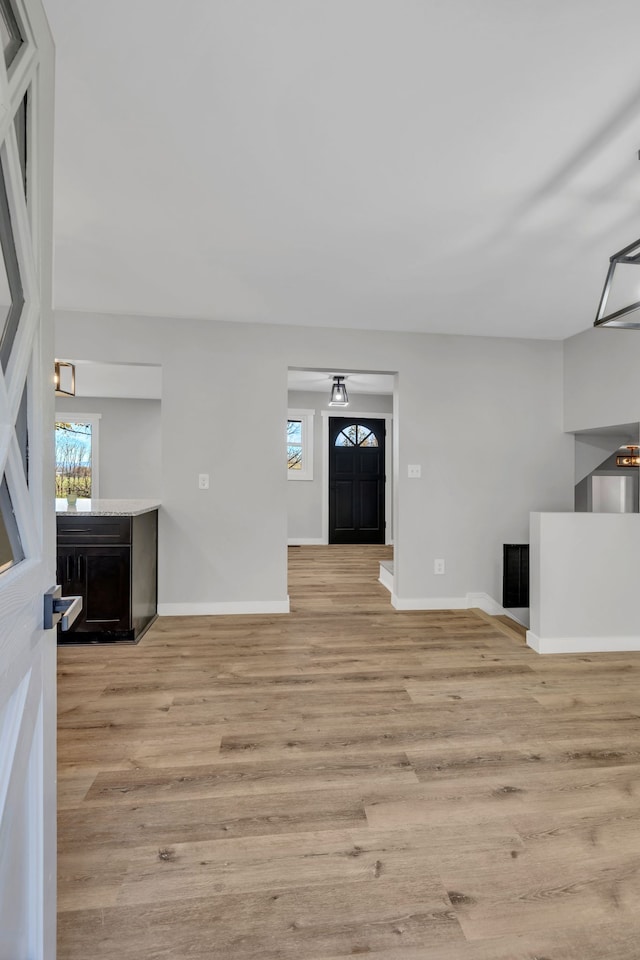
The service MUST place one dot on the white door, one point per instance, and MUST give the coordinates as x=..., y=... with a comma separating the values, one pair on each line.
x=27, y=523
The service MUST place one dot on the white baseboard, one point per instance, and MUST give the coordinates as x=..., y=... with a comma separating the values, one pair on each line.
x=522, y=616
x=307, y=542
x=486, y=603
x=386, y=578
x=223, y=608
x=429, y=603
x=481, y=600
x=582, y=644
x=317, y=542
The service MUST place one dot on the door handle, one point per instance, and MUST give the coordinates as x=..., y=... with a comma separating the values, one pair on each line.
x=69, y=568
x=59, y=609
x=79, y=566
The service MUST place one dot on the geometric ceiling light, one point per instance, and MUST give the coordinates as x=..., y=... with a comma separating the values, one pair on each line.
x=64, y=378
x=620, y=300
x=339, y=396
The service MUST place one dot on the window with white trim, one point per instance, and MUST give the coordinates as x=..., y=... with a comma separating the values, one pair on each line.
x=300, y=444
x=77, y=454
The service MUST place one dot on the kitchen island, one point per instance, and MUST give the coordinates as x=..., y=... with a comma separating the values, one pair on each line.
x=107, y=553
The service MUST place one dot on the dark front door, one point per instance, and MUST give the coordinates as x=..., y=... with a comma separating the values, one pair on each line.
x=356, y=480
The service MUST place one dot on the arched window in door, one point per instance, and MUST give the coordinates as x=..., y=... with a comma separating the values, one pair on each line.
x=355, y=435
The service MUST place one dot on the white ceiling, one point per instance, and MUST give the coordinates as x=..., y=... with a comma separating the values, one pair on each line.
x=463, y=166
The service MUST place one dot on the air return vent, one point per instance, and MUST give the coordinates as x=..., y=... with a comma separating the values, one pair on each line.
x=515, y=575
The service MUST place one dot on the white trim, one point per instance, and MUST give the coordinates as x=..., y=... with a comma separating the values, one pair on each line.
x=64, y=416
x=222, y=608
x=524, y=622
x=482, y=601
x=306, y=417
x=78, y=417
x=22, y=502
x=534, y=642
x=27, y=652
x=547, y=645
x=388, y=466
x=306, y=542
x=386, y=578
x=21, y=352
x=486, y=603
x=340, y=412
x=429, y=603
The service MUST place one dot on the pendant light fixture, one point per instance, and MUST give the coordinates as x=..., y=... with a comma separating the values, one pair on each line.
x=620, y=300
x=339, y=396
x=64, y=378
x=630, y=459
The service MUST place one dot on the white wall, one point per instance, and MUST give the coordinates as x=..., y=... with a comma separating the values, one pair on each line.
x=129, y=444
x=601, y=378
x=304, y=497
x=592, y=450
x=485, y=422
x=483, y=416
x=584, y=582
x=124, y=380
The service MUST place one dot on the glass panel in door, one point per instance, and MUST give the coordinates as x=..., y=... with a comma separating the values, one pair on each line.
x=11, y=293
x=10, y=32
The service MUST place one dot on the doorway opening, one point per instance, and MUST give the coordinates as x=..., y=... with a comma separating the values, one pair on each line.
x=371, y=398
x=363, y=431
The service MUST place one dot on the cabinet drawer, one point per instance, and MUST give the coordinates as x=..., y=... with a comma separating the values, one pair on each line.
x=94, y=529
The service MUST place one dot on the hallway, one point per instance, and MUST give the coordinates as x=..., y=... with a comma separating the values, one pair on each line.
x=346, y=780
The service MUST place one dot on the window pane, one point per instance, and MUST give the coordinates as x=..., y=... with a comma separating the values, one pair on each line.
x=356, y=435
x=9, y=31
x=294, y=457
x=300, y=444
x=366, y=437
x=348, y=437
x=294, y=444
x=5, y=299
x=23, y=433
x=294, y=431
x=11, y=297
x=11, y=551
x=73, y=459
x=20, y=123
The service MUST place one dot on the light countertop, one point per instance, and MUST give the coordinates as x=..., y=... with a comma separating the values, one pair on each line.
x=106, y=508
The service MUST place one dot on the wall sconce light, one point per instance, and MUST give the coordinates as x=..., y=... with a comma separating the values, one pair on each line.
x=621, y=295
x=339, y=396
x=631, y=459
x=64, y=378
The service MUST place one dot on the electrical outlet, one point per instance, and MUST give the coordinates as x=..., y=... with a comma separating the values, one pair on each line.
x=414, y=471
x=203, y=481
x=438, y=566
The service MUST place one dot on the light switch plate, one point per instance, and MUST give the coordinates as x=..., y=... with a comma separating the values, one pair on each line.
x=414, y=471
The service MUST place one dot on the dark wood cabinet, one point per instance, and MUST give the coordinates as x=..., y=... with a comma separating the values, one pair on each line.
x=111, y=562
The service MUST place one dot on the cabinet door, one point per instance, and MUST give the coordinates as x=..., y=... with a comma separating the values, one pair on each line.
x=66, y=570
x=104, y=574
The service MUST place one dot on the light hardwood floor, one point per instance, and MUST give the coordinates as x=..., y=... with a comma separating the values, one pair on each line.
x=347, y=781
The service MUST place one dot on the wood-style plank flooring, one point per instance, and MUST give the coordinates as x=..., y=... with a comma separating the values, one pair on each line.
x=347, y=781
